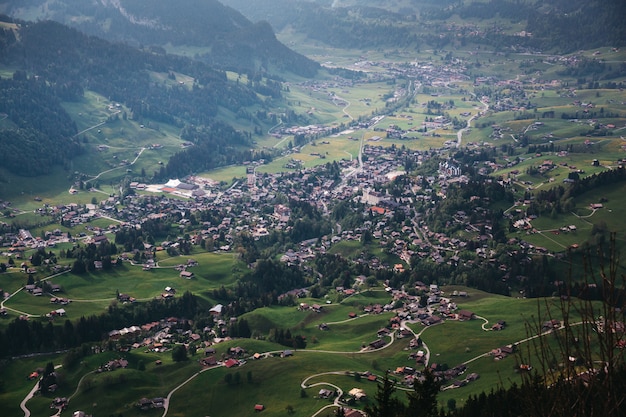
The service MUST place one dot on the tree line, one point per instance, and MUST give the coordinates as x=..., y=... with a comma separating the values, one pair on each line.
x=41, y=335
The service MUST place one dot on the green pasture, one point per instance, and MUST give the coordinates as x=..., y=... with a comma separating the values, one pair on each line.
x=226, y=174
x=352, y=249
x=584, y=218
x=14, y=376
x=367, y=297
x=92, y=292
x=13, y=279
x=346, y=336
x=276, y=317
x=179, y=79
x=335, y=314
x=275, y=384
x=126, y=386
x=22, y=190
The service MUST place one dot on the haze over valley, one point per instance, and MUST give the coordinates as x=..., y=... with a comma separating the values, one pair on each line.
x=312, y=208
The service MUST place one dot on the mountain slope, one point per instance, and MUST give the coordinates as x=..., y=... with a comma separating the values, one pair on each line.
x=57, y=64
x=224, y=36
x=561, y=26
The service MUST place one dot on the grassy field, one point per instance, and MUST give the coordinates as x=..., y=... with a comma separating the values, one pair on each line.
x=275, y=382
x=583, y=218
x=92, y=292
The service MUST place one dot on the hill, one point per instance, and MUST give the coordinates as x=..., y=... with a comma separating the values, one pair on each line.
x=57, y=65
x=558, y=26
x=217, y=34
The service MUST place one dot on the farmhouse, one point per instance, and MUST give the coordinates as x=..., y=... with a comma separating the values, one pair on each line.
x=186, y=274
x=357, y=393
x=325, y=393
x=377, y=344
x=229, y=363
x=464, y=315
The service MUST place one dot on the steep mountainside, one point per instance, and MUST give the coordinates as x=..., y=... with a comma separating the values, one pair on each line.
x=224, y=36
x=561, y=26
x=56, y=63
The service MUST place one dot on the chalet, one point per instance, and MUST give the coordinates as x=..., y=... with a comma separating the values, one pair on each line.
x=210, y=361
x=146, y=403
x=216, y=310
x=357, y=393
x=499, y=325
x=432, y=320
x=383, y=332
x=186, y=274
x=464, y=315
x=377, y=344
x=551, y=325
x=349, y=412
x=99, y=239
x=229, y=363
x=508, y=349
x=325, y=393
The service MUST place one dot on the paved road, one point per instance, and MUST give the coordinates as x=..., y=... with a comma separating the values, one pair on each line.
x=459, y=134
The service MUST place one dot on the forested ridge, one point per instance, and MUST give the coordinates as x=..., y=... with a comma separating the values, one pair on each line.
x=41, y=134
x=563, y=26
x=231, y=41
x=58, y=64
x=559, y=25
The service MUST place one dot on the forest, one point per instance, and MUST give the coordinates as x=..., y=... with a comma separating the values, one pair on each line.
x=227, y=40
x=41, y=134
x=67, y=62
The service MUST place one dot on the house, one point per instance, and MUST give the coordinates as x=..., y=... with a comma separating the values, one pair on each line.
x=186, y=274
x=229, y=363
x=464, y=315
x=259, y=407
x=377, y=344
x=357, y=393
x=348, y=412
x=210, y=361
x=325, y=393
x=383, y=332
x=216, y=310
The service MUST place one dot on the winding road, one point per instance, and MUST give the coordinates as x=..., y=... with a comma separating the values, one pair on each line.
x=459, y=134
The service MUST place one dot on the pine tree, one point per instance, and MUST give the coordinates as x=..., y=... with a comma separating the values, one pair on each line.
x=423, y=399
x=386, y=404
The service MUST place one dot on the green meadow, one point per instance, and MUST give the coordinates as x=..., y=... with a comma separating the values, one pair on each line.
x=331, y=357
x=583, y=218
x=92, y=292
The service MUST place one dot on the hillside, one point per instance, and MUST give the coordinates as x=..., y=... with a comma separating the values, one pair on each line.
x=215, y=33
x=556, y=26
x=57, y=64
